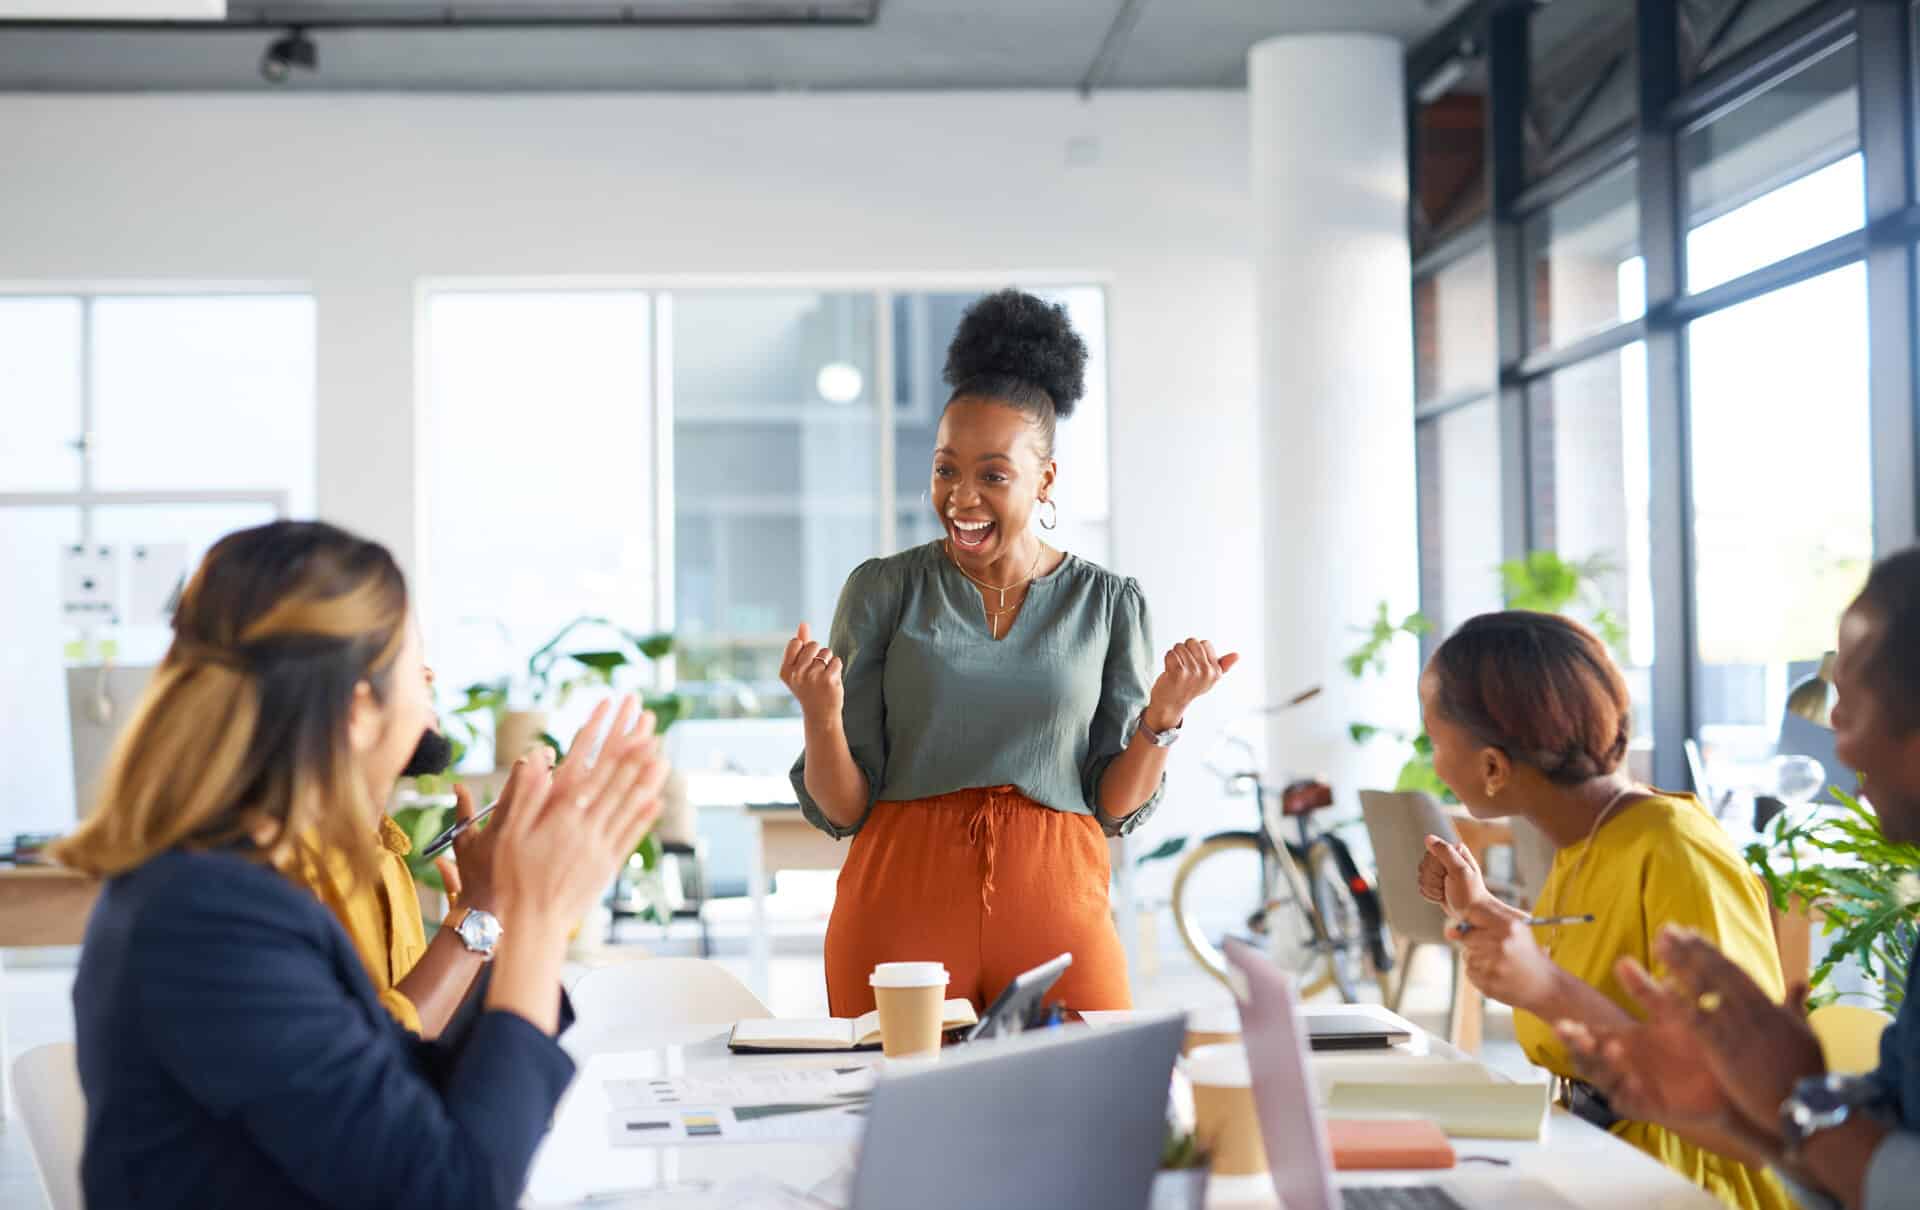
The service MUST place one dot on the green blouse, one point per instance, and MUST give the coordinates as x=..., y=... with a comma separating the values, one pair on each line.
x=935, y=704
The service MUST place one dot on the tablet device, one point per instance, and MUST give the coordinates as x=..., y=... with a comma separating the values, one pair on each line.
x=1021, y=1006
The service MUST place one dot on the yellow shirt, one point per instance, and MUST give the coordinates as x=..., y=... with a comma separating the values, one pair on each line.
x=1657, y=861
x=382, y=918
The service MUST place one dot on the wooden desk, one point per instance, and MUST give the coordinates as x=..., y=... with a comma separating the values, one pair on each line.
x=39, y=906
x=44, y=905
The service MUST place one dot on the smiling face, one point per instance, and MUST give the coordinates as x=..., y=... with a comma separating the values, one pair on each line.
x=988, y=476
x=1871, y=735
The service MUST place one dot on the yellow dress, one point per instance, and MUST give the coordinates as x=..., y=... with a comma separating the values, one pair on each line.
x=1658, y=861
x=382, y=918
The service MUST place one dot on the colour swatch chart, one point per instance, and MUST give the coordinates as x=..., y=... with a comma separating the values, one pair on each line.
x=769, y=1086
x=776, y=1106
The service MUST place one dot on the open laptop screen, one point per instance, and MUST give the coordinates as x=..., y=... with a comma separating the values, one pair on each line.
x=1272, y=1029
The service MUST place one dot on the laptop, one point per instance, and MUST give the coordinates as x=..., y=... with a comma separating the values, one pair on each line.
x=1298, y=1154
x=1055, y=1117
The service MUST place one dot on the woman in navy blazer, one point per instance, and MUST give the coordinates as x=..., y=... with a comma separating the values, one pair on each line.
x=231, y=1046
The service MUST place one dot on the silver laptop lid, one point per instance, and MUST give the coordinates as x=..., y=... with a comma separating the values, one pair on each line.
x=1275, y=1036
x=1061, y=1117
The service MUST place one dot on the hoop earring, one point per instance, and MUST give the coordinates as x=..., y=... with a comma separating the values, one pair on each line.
x=1051, y=520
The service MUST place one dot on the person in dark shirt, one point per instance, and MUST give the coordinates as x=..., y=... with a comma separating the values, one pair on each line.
x=231, y=1047
x=1716, y=1057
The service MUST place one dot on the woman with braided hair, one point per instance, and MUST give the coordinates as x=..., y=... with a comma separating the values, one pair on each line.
x=1530, y=718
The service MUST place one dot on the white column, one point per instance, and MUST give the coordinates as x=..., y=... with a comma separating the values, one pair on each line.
x=1336, y=390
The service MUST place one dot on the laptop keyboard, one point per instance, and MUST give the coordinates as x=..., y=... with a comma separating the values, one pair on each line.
x=1401, y=1197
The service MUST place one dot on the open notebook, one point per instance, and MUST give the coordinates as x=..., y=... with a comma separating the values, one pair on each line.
x=831, y=1033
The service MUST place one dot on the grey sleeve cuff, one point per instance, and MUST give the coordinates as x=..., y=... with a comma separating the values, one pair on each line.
x=1893, y=1174
x=810, y=810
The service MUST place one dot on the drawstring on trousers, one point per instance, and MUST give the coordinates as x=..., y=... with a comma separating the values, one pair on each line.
x=982, y=834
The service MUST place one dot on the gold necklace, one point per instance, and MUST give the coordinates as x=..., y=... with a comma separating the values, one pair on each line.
x=1560, y=892
x=994, y=615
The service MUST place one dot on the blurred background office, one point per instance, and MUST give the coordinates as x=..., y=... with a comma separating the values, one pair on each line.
x=635, y=313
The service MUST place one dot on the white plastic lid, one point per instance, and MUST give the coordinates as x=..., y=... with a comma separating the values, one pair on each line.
x=1223, y=1065
x=908, y=974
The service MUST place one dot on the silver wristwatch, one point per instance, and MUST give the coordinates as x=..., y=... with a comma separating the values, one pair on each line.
x=1159, y=739
x=1821, y=1103
x=479, y=931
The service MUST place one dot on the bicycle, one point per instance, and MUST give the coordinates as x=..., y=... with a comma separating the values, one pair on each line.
x=1314, y=912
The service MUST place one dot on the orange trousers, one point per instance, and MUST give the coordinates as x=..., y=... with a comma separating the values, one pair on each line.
x=988, y=882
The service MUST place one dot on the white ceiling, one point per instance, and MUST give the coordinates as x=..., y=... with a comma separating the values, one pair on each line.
x=908, y=44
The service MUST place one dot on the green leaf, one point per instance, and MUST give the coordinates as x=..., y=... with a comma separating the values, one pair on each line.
x=1167, y=849
x=667, y=710
x=602, y=662
x=655, y=646
x=649, y=850
x=1362, y=732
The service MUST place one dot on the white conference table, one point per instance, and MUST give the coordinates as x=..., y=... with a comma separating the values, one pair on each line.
x=578, y=1166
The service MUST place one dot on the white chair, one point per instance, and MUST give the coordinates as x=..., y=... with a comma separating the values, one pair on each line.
x=650, y=994
x=46, y=1085
x=1398, y=824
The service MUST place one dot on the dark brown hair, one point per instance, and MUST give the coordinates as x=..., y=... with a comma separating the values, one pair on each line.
x=1540, y=688
x=1022, y=352
x=241, y=738
x=1892, y=597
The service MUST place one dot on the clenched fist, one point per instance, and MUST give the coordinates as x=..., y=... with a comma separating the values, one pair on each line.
x=813, y=674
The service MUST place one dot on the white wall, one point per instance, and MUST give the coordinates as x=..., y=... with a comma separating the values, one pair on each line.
x=360, y=198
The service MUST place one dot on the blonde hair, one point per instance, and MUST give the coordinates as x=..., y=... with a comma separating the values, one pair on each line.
x=240, y=741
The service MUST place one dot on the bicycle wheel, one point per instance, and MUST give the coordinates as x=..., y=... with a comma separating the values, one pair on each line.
x=1341, y=917
x=1224, y=888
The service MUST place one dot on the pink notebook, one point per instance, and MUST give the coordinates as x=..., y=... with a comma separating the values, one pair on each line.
x=1361, y=1144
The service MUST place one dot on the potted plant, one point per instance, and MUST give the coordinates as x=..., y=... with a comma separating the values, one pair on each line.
x=1181, y=1182
x=552, y=676
x=1866, y=889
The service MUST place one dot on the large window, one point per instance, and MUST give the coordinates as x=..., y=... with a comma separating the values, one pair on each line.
x=540, y=473
x=1454, y=328
x=1586, y=272
x=1777, y=175
x=1460, y=540
x=776, y=432
x=1782, y=495
x=713, y=461
x=1682, y=302
x=1588, y=427
x=150, y=425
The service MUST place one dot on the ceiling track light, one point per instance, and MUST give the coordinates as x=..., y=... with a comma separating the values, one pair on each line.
x=290, y=50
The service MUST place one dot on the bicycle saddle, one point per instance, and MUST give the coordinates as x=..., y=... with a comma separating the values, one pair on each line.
x=1305, y=797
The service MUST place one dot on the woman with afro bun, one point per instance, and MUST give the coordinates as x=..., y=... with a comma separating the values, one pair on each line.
x=984, y=714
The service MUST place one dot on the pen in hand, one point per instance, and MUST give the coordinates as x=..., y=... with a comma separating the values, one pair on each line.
x=1466, y=926
x=444, y=841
